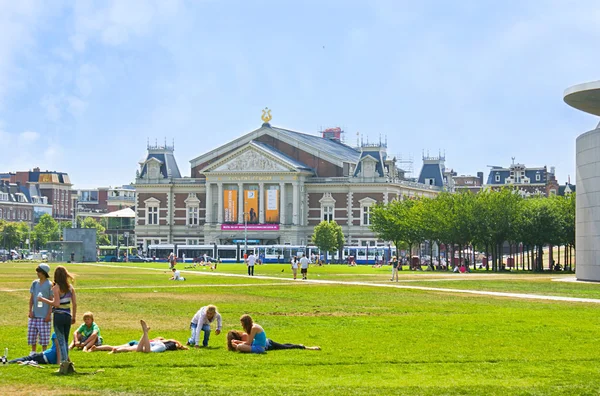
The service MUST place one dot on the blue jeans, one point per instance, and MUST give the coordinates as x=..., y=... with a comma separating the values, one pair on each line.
x=205, y=329
x=62, y=328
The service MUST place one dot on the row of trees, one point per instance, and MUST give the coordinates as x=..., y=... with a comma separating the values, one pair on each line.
x=17, y=234
x=486, y=221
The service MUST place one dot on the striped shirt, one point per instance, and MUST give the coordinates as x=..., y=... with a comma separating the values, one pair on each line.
x=65, y=303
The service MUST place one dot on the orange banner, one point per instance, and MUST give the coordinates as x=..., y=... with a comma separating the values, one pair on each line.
x=272, y=206
x=251, y=205
x=230, y=206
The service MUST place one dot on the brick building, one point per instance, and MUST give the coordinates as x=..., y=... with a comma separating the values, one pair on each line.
x=279, y=182
x=468, y=183
x=97, y=201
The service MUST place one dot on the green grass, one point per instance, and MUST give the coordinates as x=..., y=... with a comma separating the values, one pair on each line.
x=375, y=340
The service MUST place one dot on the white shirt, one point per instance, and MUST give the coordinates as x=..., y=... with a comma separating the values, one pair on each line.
x=176, y=275
x=251, y=260
x=200, y=319
x=295, y=264
x=304, y=263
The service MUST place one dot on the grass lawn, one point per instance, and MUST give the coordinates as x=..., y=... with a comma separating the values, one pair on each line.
x=374, y=340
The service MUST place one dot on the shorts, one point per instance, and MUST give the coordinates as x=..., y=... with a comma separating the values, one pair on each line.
x=304, y=270
x=157, y=346
x=257, y=349
x=35, y=327
x=98, y=342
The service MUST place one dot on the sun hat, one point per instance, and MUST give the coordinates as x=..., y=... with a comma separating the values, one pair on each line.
x=45, y=268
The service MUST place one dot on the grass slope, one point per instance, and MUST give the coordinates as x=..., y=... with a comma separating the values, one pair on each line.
x=375, y=340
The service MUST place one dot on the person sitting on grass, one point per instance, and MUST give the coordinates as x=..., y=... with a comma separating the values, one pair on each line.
x=271, y=345
x=257, y=338
x=87, y=334
x=144, y=345
x=176, y=275
x=49, y=356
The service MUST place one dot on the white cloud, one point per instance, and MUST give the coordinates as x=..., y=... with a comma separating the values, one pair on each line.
x=29, y=136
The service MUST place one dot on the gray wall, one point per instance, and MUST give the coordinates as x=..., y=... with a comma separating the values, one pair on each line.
x=587, y=213
x=88, y=237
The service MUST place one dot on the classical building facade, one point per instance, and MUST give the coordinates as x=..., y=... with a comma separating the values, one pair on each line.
x=528, y=181
x=273, y=183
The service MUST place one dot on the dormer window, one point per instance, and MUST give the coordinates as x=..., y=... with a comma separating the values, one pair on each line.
x=538, y=177
x=497, y=178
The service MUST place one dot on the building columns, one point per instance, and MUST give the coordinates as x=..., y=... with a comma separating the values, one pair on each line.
x=241, y=203
x=261, y=203
x=220, y=200
x=208, y=209
x=281, y=203
x=295, y=202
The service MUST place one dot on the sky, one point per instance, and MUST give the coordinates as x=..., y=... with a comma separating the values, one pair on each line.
x=85, y=84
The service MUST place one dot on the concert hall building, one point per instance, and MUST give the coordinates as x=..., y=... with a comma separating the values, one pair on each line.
x=273, y=183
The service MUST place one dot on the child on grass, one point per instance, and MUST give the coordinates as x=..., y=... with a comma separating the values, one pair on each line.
x=49, y=356
x=87, y=334
x=39, y=313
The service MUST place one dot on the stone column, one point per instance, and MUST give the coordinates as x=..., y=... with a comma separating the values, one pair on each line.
x=296, y=205
x=220, y=201
x=261, y=202
x=281, y=203
x=240, y=203
x=208, y=202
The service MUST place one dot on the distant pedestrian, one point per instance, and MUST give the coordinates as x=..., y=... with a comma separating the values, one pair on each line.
x=304, y=267
x=250, y=261
x=295, y=266
x=395, y=266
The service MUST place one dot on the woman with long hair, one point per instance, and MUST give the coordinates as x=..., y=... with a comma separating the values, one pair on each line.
x=145, y=344
x=271, y=345
x=64, y=308
x=256, y=341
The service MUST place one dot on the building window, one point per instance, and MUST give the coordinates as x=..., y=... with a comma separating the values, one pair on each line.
x=538, y=177
x=152, y=215
x=497, y=178
x=3, y=196
x=327, y=213
x=430, y=181
x=191, y=242
x=192, y=218
x=366, y=216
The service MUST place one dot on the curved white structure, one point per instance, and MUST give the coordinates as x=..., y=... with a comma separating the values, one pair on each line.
x=586, y=97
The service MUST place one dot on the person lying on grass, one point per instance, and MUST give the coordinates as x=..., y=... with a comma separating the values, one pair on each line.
x=144, y=345
x=87, y=334
x=256, y=341
x=49, y=356
x=271, y=345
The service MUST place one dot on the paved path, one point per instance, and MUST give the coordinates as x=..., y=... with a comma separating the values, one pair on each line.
x=390, y=285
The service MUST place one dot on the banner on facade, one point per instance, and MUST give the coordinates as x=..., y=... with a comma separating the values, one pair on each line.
x=230, y=206
x=249, y=227
x=251, y=206
x=272, y=212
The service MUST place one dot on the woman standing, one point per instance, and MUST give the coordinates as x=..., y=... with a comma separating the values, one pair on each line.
x=257, y=338
x=64, y=308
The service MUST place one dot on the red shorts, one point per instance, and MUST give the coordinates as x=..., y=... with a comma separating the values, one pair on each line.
x=37, y=327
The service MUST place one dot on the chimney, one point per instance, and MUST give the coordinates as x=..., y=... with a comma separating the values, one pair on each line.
x=36, y=169
x=333, y=134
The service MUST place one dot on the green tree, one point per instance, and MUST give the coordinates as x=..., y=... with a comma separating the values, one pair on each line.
x=10, y=235
x=328, y=236
x=101, y=237
x=46, y=230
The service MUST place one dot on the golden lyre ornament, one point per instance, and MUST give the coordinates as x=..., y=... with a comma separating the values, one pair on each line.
x=266, y=115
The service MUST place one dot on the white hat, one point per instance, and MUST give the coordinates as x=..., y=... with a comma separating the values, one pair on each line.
x=44, y=267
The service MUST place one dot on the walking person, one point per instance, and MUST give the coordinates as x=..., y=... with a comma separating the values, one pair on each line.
x=304, y=266
x=64, y=303
x=295, y=266
x=201, y=322
x=39, y=324
x=395, y=265
x=250, y=261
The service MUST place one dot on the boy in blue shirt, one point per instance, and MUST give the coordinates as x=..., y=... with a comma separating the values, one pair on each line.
x=49, y=356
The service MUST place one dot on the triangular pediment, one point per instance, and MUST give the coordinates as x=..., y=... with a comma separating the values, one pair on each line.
x=250, y=158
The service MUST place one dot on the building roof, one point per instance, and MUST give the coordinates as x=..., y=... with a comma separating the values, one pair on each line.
x=278, y=154
x=377, y=155
x=504, y=173
x=338, y=149
x=168, y=164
